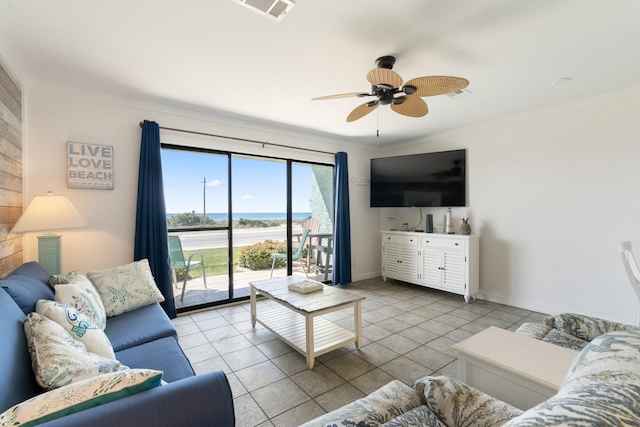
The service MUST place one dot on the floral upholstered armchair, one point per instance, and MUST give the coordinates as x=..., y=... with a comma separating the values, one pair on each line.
x=601, y=388
x=573, y=331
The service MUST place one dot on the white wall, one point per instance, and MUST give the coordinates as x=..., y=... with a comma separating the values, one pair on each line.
x=551, y=193
x=55, y=115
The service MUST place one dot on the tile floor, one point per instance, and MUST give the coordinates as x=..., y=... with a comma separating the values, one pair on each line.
x=408, y=333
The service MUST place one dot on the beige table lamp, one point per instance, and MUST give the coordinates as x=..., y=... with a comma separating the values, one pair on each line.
x=49, y=213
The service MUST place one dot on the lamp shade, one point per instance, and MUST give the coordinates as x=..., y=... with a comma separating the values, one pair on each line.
x=47, y=213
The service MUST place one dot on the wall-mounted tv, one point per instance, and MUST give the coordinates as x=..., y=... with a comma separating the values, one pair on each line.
x=425, y=180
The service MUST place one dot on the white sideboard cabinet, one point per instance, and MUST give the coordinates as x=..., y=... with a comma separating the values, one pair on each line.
x=449, y=262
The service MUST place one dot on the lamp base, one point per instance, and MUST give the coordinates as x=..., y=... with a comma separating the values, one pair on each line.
x=50, y=252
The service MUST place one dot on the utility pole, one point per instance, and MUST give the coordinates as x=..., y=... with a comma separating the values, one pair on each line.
x=204, y=200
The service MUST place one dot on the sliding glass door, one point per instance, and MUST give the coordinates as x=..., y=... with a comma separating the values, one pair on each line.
x=196, y=186
x=240, y=218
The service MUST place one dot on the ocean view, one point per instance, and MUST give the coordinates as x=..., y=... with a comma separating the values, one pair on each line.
x=253, y=215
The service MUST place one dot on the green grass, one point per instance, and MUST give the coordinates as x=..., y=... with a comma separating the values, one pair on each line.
x=215, y=261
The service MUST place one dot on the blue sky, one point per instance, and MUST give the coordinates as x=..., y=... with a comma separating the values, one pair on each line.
x=258, y=185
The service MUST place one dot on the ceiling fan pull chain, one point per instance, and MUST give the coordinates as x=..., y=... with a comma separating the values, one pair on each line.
x=378, y=123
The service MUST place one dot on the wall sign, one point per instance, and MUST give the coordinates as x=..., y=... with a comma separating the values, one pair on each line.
x=89, y=166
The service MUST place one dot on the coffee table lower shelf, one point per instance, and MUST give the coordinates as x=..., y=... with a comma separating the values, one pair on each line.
x=291, y=328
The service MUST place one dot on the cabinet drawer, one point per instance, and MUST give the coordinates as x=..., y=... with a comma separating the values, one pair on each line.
x=409, y=239
x=443, y=243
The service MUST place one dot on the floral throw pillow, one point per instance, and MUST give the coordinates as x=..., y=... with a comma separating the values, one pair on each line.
x=80, y=293
x=57, y=359
x=126, y=287
x=79, y=396
x=80, y=326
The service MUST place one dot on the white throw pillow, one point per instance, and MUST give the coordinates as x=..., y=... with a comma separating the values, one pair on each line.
x=82, y=295
x=57, y=359
x=79, y=396
x=126, y=287
x=80, y=326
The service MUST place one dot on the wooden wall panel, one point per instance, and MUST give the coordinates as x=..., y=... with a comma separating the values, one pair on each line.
x=11, y=253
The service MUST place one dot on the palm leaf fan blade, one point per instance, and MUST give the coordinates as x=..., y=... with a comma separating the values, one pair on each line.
x=379, y=76
x=361, y=110
x=412, y=106
x=340, y=95
x=437, y=85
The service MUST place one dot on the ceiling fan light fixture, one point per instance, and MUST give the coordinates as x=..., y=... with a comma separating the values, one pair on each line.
x=409, y=90
x=386, y=98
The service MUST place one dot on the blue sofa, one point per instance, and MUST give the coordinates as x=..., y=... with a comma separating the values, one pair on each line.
x=142, y=338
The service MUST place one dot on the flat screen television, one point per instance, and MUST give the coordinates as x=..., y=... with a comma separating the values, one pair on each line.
x=424, y=180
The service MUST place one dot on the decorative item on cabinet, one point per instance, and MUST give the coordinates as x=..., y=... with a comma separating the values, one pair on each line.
x=448, y=227
x=428, y=227
x=465, y=227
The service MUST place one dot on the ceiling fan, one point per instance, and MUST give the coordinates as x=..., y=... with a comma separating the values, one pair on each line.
x=387, y=87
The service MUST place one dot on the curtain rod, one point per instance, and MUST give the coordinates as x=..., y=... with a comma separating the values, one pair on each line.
x=263, y=143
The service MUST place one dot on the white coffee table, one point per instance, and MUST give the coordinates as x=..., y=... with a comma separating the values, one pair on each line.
x=514, y=368
x=299, y=322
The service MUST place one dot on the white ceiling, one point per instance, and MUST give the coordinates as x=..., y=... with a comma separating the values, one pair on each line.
x=219, y=57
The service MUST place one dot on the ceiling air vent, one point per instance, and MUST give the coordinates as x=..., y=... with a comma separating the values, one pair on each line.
x=274, y=9
x=459, y=94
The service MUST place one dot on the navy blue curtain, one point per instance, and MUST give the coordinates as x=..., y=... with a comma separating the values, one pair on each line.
x=151, y=217
x=342, y=232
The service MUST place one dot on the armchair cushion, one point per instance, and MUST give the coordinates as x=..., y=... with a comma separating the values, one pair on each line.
x=586, y=327
x=457, y=404
x=417, y=417
x=373, y=410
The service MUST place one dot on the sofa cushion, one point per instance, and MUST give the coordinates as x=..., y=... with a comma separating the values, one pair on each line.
x=126, y=287
x=58, y=359
x=79, y=396
x=373, y=410
x=80, y=293
x=80, y=326
x=142, y=325
x=27, y=284
x=457, y=404
x=162, y=354
x=17, y=382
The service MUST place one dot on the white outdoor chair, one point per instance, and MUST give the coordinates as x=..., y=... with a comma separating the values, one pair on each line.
x=631, y=267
